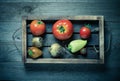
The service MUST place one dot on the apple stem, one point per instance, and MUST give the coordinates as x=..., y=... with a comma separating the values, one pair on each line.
x=87, y=25
x=40, y=22
x=62, y=29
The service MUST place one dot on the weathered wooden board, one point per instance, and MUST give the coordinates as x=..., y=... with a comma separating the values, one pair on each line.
x=10, y=69
x=17, y=70
x=97, y=38
x=9, y=53
x=93, y=1
x=19, y=9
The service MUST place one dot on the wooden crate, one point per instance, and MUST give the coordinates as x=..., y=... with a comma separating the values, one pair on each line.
x=97, y=39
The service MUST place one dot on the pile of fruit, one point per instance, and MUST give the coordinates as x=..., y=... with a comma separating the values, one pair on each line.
x=62, y=30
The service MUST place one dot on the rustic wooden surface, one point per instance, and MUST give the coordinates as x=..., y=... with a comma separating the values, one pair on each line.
x=11, y=65
x=49, y=39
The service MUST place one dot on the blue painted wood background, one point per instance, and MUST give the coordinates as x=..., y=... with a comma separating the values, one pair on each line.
x=11, y=65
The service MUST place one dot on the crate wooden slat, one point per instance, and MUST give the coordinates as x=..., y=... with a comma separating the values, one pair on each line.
x=63, y=61
x=25, y=42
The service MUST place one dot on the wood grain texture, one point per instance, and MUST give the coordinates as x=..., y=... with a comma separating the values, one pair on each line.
x=8, y=53
x=46, y=72
x=11, y=65
x=94, y=1
x=19, y=9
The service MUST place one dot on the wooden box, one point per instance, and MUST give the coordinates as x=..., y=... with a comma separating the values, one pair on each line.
x=97, y=39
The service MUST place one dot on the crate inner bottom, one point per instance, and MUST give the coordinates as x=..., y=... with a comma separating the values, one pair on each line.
x=49, y=39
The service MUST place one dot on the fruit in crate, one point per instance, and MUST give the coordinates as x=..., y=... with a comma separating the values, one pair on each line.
x=37, y=41
x=85, y=32
x=62, y=29
x=83, y=51
x=37, y=27
x=76, y=45
x=55, y=50
x=34, y=52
